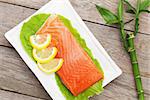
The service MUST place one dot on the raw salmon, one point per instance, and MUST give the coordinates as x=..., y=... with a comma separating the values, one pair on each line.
x=78, y=71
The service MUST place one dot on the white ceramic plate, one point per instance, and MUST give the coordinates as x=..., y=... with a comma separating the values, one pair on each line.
x=63, y=7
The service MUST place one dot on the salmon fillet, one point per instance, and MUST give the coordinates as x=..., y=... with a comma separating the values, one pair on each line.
x=78, y=71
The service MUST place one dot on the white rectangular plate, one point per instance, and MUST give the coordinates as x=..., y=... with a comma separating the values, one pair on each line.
x=63, y=7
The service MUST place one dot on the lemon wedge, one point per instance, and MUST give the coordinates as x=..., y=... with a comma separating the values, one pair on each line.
x=52, y=66
x=40, y=41
x=44, y=55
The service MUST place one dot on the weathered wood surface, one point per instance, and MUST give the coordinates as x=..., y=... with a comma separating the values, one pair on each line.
x=16, y=80
x=86, y=9
x=7, y=95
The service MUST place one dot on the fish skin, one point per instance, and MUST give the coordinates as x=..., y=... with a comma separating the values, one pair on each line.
x=78, y=71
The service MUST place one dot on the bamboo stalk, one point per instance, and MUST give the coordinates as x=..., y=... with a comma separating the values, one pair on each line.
x=136, y=24
x=137, y=17
x=123, y=35
x=135, y=66
x=121, y=24
x=128, y=41
x=133, y=57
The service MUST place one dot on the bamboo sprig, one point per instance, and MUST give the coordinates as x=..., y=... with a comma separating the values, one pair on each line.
x=135, y=66
x=142, y=6
x=132, y=53
x=128, y=39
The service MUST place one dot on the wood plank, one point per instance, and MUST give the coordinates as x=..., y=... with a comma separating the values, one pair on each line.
x=7, y=95
x=35, y=4
x=15, y=75
x=14, y=71
x=86, y=9
x=10, y=16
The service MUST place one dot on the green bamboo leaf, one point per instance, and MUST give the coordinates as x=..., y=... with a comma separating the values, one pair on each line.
x=130, y=9
x=144, y=5
x=107, y=15
x=148, y=11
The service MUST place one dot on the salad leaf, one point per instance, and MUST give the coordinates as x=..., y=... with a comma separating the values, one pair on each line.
x=31, y=27
x=108, y=16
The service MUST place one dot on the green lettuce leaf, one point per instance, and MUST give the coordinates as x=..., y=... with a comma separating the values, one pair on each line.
x=31, y=27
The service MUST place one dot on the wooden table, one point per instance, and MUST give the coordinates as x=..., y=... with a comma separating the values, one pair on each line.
x=17, y=82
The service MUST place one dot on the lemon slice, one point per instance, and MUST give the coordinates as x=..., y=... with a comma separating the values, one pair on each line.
x=40, y=41
x=44, y=55
x=52, y=66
